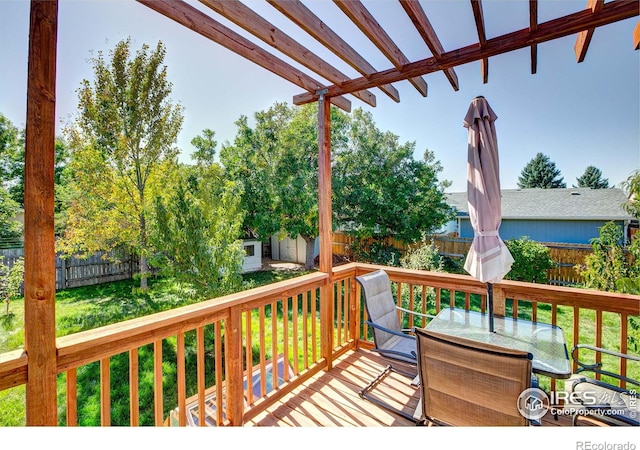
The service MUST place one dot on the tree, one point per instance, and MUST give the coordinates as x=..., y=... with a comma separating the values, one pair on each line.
x=540, y=172
x=122, y=152
x=198, y=228
x=381, y=191
x=608, y=263
x=592, y=178
x=10, y=229
x=277, y=164
x=10, y=281
x=632, y=186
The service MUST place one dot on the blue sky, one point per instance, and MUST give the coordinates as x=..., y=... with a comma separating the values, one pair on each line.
x=577, y=114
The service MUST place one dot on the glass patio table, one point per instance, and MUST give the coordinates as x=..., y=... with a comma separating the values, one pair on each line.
x=544, y=341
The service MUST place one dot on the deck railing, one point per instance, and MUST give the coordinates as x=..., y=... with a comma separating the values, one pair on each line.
x=234, y=356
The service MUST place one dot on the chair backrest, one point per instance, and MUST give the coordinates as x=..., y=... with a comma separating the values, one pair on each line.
x=467, y=383
x=379, y=304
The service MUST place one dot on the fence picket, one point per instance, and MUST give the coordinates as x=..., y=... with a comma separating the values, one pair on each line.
x=102, y=267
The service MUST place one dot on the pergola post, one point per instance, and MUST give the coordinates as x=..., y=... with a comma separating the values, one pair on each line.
x=325, y=227
x=39, y=246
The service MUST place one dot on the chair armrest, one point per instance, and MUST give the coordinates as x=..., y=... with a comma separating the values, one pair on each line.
x=415, y=313
x=387, y=330
x=597, y=367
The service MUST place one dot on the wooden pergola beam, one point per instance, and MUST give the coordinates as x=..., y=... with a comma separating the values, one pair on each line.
x=613, y=11
x=533, y=26
x=420, y=20
x=302, y=16
x=363, y=19
x=478, y=16
x=39, y=242
x=584, y=37
x=250, y=21
x=636, y=36
x=192, y=18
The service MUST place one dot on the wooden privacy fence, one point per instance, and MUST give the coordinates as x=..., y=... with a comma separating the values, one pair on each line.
x=102, y=267
x=566, y=256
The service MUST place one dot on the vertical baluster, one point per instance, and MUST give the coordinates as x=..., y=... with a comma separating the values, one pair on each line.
x=72, y=398
x=467, y=301
x=274, y=345
x=314, y=307
x=438, y=299
x=296, y=337
x=598, y=338
x=338, y=322
x=514, y=309
x=263, y=364
x=624, y=336
x=305, y=329
x=157, y=383
x=220, y=406
x=200, y=376
x=105, y=393
x=576, y=331
x=134, y=407
x=182, y=378
x=411, y=303
x=249, y=357
x=285, y=334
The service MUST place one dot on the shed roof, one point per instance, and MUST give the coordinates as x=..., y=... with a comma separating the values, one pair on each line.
x=555, y=204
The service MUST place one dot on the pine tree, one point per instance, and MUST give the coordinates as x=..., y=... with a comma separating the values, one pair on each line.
x=540, y=172
x=592, y=178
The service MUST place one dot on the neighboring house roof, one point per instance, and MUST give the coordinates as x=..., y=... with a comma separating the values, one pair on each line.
x=554, y=204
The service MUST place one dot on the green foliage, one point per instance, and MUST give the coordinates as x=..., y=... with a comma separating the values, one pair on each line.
x=375, y=252
x=10, y=281
x=531, y=260
x=10, y=229
x=423, y=256
x=540, y=172
x=592, y=178
x=276, y=162
x=197, y=230
x=632, y=187
x=608, y=263
x=611, y=268
x=121, y=152
x=381, y=191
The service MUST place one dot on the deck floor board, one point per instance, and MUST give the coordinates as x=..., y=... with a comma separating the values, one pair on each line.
x=330, y=399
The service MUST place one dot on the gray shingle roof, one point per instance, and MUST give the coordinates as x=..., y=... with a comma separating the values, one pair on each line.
x=555, y=204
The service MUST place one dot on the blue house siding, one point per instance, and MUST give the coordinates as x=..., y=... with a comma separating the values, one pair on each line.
x=561, y=231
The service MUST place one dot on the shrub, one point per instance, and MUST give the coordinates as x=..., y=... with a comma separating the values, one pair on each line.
x=424, y=256
x=531, y=260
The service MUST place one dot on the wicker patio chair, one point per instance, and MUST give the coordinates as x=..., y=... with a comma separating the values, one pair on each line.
x=467, y=383
x=598, y=400
x=390, y=339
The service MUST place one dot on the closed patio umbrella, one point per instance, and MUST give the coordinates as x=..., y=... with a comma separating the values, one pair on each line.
x=488, y=260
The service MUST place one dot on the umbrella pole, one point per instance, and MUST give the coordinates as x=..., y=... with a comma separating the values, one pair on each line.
x=490, y=305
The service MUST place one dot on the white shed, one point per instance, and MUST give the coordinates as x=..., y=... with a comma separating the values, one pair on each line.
x=252, y=255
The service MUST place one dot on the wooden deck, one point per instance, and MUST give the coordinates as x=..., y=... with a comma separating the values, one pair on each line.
x=331, y=399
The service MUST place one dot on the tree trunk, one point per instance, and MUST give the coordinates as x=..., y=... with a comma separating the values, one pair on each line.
x=310, y=242
x=144, y=268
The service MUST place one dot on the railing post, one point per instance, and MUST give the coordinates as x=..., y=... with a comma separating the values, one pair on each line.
x=499, y=301
x=39, y=246
x=325, y=227
x=233, y=362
